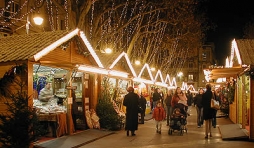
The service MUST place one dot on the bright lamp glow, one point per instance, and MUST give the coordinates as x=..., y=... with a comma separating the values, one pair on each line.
x=108, y=50
x=180, y=74
x=137, y=62
x=38, y=20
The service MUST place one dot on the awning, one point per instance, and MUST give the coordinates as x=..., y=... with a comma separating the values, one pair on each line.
x=216, y=73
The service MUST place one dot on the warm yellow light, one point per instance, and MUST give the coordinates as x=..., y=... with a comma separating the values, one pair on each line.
x=161, y=84
x=57, y=43
x=152, y=69
x=137, y=62
x=108, y=50
x=180, y=74
x=159, y=74
x=90, y=48
x=143, y=81
x=149, y=71
x=123, y=54
x=93, y=69
x=38, y=20
x=118, y=73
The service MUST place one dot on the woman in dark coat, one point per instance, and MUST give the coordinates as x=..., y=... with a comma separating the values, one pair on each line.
x=131, y=103
x=208, y=112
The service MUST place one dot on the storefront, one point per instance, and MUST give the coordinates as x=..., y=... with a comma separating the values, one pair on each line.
x=144, y=83
x=238, y=74
x=54, y=57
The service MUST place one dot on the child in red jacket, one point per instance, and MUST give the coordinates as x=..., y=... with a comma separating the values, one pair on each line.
x=159, y=115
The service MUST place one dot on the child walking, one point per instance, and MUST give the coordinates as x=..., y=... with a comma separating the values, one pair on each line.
x=159, y=115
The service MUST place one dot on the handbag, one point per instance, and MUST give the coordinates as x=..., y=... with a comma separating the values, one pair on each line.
x=215, y=104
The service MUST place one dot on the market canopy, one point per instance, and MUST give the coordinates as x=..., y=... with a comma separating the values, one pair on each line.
x=216, y=73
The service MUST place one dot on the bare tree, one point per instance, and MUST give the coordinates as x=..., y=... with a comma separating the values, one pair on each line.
x=159, y=32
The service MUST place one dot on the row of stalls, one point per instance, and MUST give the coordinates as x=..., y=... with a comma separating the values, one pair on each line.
x=68, y=61
x=238, y=76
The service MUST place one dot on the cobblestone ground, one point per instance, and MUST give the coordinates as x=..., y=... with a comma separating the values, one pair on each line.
x=147, y=137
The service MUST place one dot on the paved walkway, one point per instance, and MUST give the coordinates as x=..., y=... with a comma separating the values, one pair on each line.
x=147, y=137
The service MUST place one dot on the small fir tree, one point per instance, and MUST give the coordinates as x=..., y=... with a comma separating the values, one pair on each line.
x=109, y=119
x=19, y=125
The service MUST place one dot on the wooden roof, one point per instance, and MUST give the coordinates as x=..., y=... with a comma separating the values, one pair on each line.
x=23, y=47
x=246, y=50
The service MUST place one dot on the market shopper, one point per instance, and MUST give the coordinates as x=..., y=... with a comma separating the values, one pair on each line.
x=208, y=112
x=178, y=95
x=198, y=104
x=131, y=103
x=156, y=97
x=46, y=93
x=158, y=115
x=142, y=103
x=217, y=97
x=168, y=105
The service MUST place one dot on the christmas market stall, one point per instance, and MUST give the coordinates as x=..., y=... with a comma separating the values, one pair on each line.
x=237, y=76
x=143, y=83
x=52, y=60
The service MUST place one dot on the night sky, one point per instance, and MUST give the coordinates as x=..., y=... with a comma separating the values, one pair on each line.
x=230, y=17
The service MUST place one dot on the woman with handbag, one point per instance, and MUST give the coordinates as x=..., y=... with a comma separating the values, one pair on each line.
x=208, y=112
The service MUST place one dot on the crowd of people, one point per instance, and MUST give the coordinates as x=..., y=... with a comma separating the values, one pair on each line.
x=174, y=105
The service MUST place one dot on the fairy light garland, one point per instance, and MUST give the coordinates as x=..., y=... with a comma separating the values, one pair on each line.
x=91, y=22
x=67, y=14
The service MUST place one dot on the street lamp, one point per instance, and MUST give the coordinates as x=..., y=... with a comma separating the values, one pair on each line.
x=38, y=20
x=137, y=62
x=180, y=74
x=108, y=50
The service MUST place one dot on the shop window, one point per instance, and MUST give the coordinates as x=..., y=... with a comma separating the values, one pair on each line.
x=204, y=56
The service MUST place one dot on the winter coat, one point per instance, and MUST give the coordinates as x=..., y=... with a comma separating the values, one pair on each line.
x=168, y=100
x=156, y=97
x=131, y=103
x=208, y=112
x=174, y=100
x=198, y=100
x=142, y=103
x=159, y=114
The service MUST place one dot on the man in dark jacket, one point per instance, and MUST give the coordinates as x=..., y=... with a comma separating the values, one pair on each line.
x=142, y=103
x=156, y=97
x=131, y=103
x=199, y=107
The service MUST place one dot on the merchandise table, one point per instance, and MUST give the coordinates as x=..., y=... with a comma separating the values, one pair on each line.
x=57, y=122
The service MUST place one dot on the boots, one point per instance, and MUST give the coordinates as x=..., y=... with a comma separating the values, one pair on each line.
x=133, y=133
x=127, y=133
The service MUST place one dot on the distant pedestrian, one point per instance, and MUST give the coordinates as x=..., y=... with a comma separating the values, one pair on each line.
x=217, y=96
x=158, y=115
x=142, y=103
x=208, y=112
x=199, y=107
x=156, y=97
x=131, y=103
x=168, y=105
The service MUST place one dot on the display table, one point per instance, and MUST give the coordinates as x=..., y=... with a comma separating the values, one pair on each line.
x=57, y=122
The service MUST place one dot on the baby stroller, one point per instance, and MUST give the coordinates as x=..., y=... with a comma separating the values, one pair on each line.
x=178, y=121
